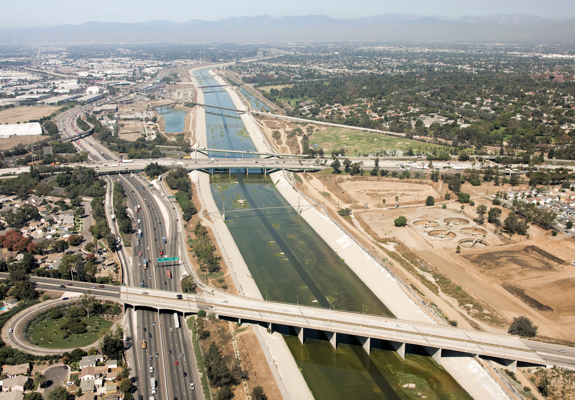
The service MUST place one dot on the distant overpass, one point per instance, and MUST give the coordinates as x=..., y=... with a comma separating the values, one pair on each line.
x=206, y=152
x=206, y=106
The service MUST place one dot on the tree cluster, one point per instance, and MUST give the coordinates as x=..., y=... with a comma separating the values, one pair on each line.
x=204, y=250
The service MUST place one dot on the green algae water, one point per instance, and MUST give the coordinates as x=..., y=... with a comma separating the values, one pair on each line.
x=350, y=373
x=288, y=260
x=291, y=263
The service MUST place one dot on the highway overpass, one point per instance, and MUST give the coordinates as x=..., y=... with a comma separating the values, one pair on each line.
x=371, y=331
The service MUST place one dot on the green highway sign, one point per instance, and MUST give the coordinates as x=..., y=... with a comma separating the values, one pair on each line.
x=171, y=197
x=169, y=259
x=150, y=185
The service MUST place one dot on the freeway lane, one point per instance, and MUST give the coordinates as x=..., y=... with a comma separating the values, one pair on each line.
x=80, y=287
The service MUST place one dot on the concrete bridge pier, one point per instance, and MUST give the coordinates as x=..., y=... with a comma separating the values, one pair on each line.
x=511, y=365
x=365, y=343
x=399, y=348
x=300, y=334
x=332, y=336
x=434, y=353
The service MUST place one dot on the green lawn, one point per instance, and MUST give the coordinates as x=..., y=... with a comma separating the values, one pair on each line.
x=49, y=330
x=356, y=142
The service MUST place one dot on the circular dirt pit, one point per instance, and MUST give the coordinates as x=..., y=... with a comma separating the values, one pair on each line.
x=473, y=231
x=456, y=221
x=426, y=224
x=442, y=234
x=473, y=243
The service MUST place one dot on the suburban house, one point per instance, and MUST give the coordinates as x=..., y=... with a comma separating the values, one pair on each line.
x=112, y=388
x=16, y=383
x=90, y=361
x=112, y=364
x=15, y=395
x=14, y=370
x=88, y=373
x=87, y=385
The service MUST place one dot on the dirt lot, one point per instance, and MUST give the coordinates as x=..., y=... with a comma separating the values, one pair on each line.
x=491, y=281
x=131, y=129
x=241, y=344
x=280, y=133
x=24, y=114
x=8, y=143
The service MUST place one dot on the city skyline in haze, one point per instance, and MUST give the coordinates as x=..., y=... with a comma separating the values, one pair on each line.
x=32, y=13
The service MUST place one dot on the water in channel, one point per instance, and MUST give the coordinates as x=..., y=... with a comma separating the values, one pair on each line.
x=173, y=119
x=291, y=263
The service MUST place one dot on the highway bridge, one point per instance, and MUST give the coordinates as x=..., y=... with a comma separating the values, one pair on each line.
x=205, y=151
x=214, y=166
x=207, y=106
x=371, y=331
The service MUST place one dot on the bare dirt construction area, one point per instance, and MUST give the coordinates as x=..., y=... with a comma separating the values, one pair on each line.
x=372, y=191
x=131, y=129
x=538, y=278
x=492, y=279
x=8, y=143
x=25, y=114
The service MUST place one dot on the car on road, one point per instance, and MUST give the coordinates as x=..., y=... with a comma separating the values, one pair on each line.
x=10, y=330
x=285, y=309
x=225, y=301
x=151, y=369
x=151, y=358
x=169, y=351
x=179, y=297
x=176, y=362
x=185, y=374
x=560, y=351
x=192, y=386
x=211, y=308
x=156, y=355
x=69, y=284
x=154, y=323
x=150, y=335
x=93, y=287
x=145, y=293
x=398, y=325
x=181, y=354
x=62, y=286
x=101, y=286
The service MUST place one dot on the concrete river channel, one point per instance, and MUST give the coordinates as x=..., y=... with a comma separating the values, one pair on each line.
x=291, y=263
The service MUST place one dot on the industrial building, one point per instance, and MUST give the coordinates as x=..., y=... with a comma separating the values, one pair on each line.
x=29, y=129
x=90, y=98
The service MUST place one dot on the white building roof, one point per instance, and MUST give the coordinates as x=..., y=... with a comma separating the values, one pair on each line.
x=32, y=128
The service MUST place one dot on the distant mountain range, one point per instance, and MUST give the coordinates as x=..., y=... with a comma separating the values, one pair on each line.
x=265, y=28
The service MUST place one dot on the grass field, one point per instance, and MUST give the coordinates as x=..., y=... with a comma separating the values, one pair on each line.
x=8, y=143
x=48, y=334
x=356, y=142
x=268, y=88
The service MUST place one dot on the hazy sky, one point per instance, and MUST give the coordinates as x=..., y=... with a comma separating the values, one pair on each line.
x=26, y=13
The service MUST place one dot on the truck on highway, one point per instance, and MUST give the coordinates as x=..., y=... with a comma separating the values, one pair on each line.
x=128, y=161
x=144, y=344
x=139, y=233
x=176, y=320
x=153, y=385
x=169, y=274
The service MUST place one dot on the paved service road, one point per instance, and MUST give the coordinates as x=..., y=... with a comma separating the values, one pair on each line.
x=55, y=376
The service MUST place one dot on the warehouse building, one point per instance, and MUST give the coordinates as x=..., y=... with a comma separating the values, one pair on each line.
x=29, y=129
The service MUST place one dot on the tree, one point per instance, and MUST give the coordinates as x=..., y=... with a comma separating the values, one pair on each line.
x=430, y=201
x=112, y=347
x=258, y=393
x=33, y=396
x=336, y=165
x=87, y=301
x=481, y=210
x=514, y=180
x=125, y=385
x=493, y=215
x=400, y=221
x=463, y=197
x=80, y=211
x=39, y=380
x=225, y=393
x=523, y=327
x=347, y=164
x=344, y=212
x=201, y=313
x=569, y=225
x=126, y=371
x=111, y=239
x=455, y=184
x=59, y=393
x=23, y=290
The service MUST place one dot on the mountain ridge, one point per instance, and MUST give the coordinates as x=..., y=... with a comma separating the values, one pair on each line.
x=498, y=27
